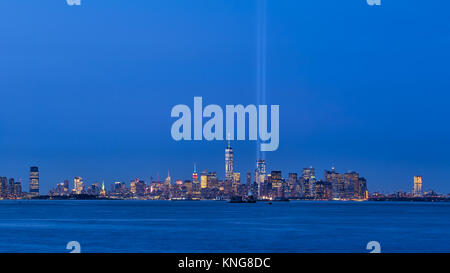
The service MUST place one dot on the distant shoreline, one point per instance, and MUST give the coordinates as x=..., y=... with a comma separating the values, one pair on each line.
x=89, y=197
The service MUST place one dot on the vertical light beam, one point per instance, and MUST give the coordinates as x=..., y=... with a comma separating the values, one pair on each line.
x=261, y=62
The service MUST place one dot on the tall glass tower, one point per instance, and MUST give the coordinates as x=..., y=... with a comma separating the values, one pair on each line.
x=417, y=191
x=78, y=185
x=195, y=175
x=260, y=174
x=34, y=181
x=229, y=163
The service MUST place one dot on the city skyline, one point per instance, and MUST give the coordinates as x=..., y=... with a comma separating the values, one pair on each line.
x=253, y=181
x=355, y=89
x=47, y=182
x=234, y=135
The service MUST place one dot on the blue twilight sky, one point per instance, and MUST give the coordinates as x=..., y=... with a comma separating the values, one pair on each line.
x=87, y=91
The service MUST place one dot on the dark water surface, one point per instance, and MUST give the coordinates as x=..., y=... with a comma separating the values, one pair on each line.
x=217, y=226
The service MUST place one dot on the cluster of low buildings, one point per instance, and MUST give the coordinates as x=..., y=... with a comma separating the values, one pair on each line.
x=10, y=189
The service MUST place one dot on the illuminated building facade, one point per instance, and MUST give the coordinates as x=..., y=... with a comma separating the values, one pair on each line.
x=204, y=180
x=18, y=188
x=188, y=187
x=212, y=180
x=360, y=189
x=66, y=186
x=229, y=168
x=308, y=180
x=309, y=187
x=140, y=187
x=11, y=187
x=133, y=187
x=276, y=181
x=351, y=180
x=3, y=186
x=260, y=174
x=323, y=190
x=417, y=190
x=34, y=181
x=237, y=178
x=336, y=180
x=168, y=179
x=195, y=175
x=78, y=185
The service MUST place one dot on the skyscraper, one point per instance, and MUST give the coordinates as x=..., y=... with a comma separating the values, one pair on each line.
x=261, y=166
x=18, y=188
x=34, y=181
x=337, y=182
x=11, y=187
x=204, y=180
x=277, y=183
x=249, y=184
x=260, y=174
x=276, y=179
x=168, y=180
x=140, y=187
x=292, y=188
x=417, y=191
x=3, y=186
x=323, y=190
x=307, y=173
x=292, y=179
x=237, y=178
x=309, y=187
x=229, y=168
x=308, y=180
x=78, y=185
x=66, y=186
x=195, y=175
x=195, y=182
x=133, y=186
x=351, y=180
x=212, y=180
x=361, y=189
